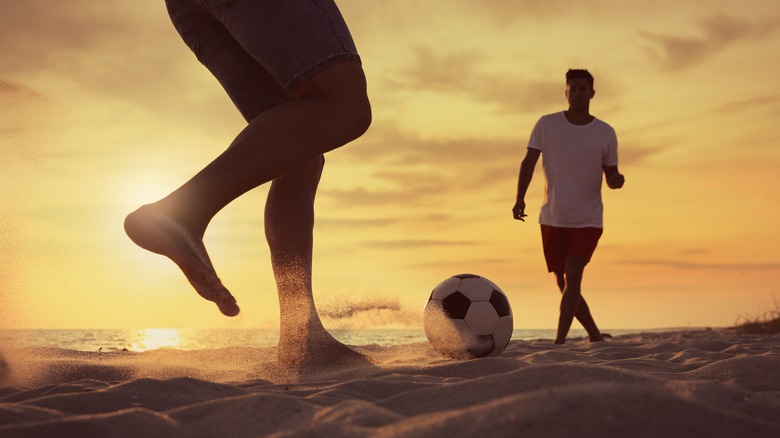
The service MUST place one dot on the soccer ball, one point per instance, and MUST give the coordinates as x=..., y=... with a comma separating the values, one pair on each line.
x=468, y=316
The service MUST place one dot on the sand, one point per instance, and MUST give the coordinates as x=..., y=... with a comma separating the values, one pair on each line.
x=714, y=383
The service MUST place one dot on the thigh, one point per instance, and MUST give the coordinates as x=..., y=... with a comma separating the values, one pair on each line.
x=251, y=87
x=555, y=242
x=583, y=242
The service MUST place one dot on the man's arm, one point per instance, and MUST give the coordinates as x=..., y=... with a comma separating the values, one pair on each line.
x=524, y=180
x=615, y=179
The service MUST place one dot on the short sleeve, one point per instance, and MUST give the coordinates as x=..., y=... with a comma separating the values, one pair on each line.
x=611, y=153
x=535, y=142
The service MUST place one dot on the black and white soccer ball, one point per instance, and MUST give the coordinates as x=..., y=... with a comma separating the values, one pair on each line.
x=468, y=316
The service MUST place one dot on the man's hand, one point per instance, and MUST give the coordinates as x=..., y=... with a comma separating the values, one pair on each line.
x=616, y=181
x=518, y=211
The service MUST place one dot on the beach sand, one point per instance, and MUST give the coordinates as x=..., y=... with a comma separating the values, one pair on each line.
x=709, y=383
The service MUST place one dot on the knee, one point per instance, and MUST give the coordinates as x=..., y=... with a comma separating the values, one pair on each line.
x=348, y=120
x=365, y=117
x=342, y=89
x=560, y=279
x=358, y=118
x=574, y=266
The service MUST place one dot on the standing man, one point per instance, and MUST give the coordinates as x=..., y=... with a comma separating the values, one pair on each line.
x=292, y=70
x=577, y=148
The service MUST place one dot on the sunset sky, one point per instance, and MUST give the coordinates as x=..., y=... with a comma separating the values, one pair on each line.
x=103, y=108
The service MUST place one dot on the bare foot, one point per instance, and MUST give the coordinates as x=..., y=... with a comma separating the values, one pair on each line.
x=154, y=231
x=318, y=352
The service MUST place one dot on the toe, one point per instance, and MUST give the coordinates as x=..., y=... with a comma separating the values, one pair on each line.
x=228, y=308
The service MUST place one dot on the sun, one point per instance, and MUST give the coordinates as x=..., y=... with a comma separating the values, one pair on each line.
x=143, y=188
x=156, y=338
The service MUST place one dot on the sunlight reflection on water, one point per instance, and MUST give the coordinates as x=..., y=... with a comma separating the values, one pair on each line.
x=146, y=339
x=155, y=338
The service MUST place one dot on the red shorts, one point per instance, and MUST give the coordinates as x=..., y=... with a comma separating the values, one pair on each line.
x=561, y=243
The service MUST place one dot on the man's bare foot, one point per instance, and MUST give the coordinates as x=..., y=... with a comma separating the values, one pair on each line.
x=154, y=231
x=317, y=352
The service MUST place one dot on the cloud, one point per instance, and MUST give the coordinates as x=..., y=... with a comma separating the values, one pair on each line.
x=364, y=197
x=410, y=170
x=127, y=52
x=403, y=150
x=457, y=73
x=453, y=264
x=10, y=89
x=365, y=17
x=20, y=107
x=415, y=244
x=496, y=13
x=634, y=154
x=760, y=103
x=718, y=33
x=22, y=111
x=351, y=224
x=420, y=188
x=81, y=37
x=704, y=266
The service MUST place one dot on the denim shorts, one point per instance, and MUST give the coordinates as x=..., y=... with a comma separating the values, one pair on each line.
x=261, y=50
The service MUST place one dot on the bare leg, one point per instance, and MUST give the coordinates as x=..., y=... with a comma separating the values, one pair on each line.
x=583, y=311
x=289, y=219
x=572, y=297
x=586, y=319
x=330, y=109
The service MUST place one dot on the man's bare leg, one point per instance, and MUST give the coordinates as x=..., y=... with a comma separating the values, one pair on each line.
x=572, y=297
x=583, y=314
x=330, y=109
x=289, y=220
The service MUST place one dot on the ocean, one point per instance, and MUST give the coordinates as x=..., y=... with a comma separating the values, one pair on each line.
x=138, y=340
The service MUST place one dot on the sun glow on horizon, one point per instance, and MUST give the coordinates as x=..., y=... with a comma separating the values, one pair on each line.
x=157, y=338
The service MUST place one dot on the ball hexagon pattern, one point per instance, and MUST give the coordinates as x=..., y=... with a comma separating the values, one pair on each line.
x=468, y=316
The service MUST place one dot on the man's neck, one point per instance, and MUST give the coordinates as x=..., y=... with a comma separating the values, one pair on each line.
x=578, y=117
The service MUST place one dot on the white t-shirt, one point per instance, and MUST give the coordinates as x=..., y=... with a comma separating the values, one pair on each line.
x=572, y=158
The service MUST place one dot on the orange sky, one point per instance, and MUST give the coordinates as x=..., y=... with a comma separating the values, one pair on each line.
x=102, y=108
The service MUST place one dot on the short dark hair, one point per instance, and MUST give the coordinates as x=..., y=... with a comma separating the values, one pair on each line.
x=579, y=74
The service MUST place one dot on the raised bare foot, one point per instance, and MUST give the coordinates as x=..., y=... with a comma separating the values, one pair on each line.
x=153, y=230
